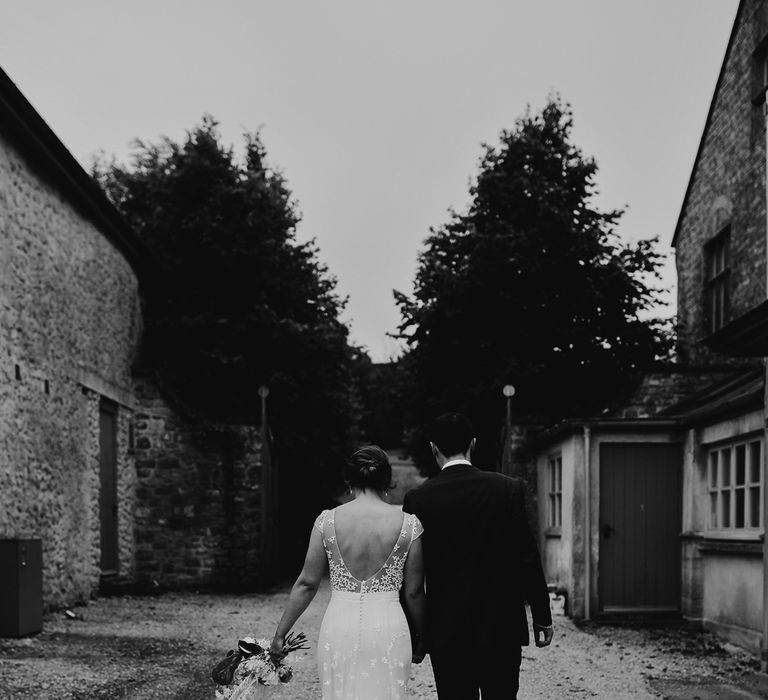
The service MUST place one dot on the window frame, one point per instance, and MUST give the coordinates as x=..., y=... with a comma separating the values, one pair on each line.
x=554, y=482
x=733, y=496
x=717, y=273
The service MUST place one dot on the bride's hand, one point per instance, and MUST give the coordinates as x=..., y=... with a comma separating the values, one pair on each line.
x=276, y=648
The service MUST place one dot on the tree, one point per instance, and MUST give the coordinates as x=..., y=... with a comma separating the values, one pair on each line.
x=380, y=386
x=242, y=303
x=532, y=287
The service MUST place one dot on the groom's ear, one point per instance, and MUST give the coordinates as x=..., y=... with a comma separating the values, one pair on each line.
x=434, y=449
x=471, y=447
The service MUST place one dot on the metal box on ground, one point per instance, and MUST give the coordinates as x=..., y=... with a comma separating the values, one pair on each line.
x=21, y=587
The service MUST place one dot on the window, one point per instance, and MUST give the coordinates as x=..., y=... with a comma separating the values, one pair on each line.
x=735, y=481
x=716, y=284
x=555, y=492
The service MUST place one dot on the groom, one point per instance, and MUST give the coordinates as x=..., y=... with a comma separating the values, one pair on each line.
x=482, y=565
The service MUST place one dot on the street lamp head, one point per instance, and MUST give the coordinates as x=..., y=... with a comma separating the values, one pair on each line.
x=508, y=390
x=263, y=391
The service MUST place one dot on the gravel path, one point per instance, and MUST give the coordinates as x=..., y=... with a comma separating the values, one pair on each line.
x=164, y=646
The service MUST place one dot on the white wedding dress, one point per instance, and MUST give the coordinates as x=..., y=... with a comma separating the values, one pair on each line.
x=364, y=650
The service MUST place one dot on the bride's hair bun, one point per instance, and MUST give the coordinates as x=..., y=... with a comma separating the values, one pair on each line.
x=369, y=468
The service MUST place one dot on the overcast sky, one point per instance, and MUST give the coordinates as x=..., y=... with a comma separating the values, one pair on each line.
x=376, y=111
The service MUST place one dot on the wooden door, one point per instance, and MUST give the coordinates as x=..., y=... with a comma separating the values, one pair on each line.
x=108, y=491
x=30, y=578
x=640, y=522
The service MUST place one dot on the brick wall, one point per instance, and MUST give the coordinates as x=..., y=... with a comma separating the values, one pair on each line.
x=199, y=498
x=70, y=318
x=728, y=185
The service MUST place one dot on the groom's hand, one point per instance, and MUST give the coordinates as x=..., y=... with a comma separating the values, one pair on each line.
x=542, y=635
x=419, y=652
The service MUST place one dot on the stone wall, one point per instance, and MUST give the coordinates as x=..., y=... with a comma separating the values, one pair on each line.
x=199, y=516
x=70, y=319
x=727, y=187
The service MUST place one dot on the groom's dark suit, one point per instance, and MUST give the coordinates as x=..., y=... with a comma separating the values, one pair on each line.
x=482, y=564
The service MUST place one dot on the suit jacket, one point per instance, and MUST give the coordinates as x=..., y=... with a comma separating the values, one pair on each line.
x=481, y=561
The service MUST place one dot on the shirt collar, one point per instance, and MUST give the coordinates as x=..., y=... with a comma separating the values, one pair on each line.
x=451, y=462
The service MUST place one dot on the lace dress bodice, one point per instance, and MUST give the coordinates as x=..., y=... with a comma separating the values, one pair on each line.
x=389, y=578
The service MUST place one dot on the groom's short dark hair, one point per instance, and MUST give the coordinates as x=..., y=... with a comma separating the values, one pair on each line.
x=452, y=433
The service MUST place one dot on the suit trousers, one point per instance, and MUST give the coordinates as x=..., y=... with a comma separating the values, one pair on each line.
x=496, y=674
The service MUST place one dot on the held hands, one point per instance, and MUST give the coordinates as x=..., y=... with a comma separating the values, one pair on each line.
x=542, y=635
x=419, y=651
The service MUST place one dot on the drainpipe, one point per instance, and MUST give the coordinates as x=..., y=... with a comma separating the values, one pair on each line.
x=268, y=564
x=764, y=644
x=764, y=513
x=587, y=525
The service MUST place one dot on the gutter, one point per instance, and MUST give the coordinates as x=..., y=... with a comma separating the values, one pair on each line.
x=571, y=426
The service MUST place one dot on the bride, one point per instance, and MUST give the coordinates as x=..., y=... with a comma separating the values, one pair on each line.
x=372, y=550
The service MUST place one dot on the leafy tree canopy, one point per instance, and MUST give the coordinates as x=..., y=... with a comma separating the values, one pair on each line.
x=530, y=287
x=242, y=302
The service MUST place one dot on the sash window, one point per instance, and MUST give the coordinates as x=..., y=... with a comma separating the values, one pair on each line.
x=716, y=285
x=734, y=473
x=555, y=492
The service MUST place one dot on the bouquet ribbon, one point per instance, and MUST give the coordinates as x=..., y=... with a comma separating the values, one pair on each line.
x=224, y=671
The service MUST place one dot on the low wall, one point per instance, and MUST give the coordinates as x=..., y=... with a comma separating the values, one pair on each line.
x=199, y=500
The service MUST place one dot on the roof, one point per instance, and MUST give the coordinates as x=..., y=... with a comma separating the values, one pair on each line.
x=667, y=384
x=742, y=391
x=35, y=139
x=707, y=123
x=727, y=393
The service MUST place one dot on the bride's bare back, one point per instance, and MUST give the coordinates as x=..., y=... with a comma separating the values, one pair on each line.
x=367, y=532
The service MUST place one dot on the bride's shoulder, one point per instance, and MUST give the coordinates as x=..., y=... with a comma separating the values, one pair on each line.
x=320, y=519
x=415, y=524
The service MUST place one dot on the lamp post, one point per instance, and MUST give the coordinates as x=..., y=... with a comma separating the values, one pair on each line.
x=268, y=495
x=263, y=392
x=508, y=391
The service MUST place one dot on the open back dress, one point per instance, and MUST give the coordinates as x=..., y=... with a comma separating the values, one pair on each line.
x=364, y=649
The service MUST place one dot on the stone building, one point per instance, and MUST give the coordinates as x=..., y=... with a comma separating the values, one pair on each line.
x=660, y=508
x=720, y=247
x=70, y=327
x=116, y=483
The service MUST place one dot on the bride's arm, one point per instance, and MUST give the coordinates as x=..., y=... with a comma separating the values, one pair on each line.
x=415, y=602
x=303, y=591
